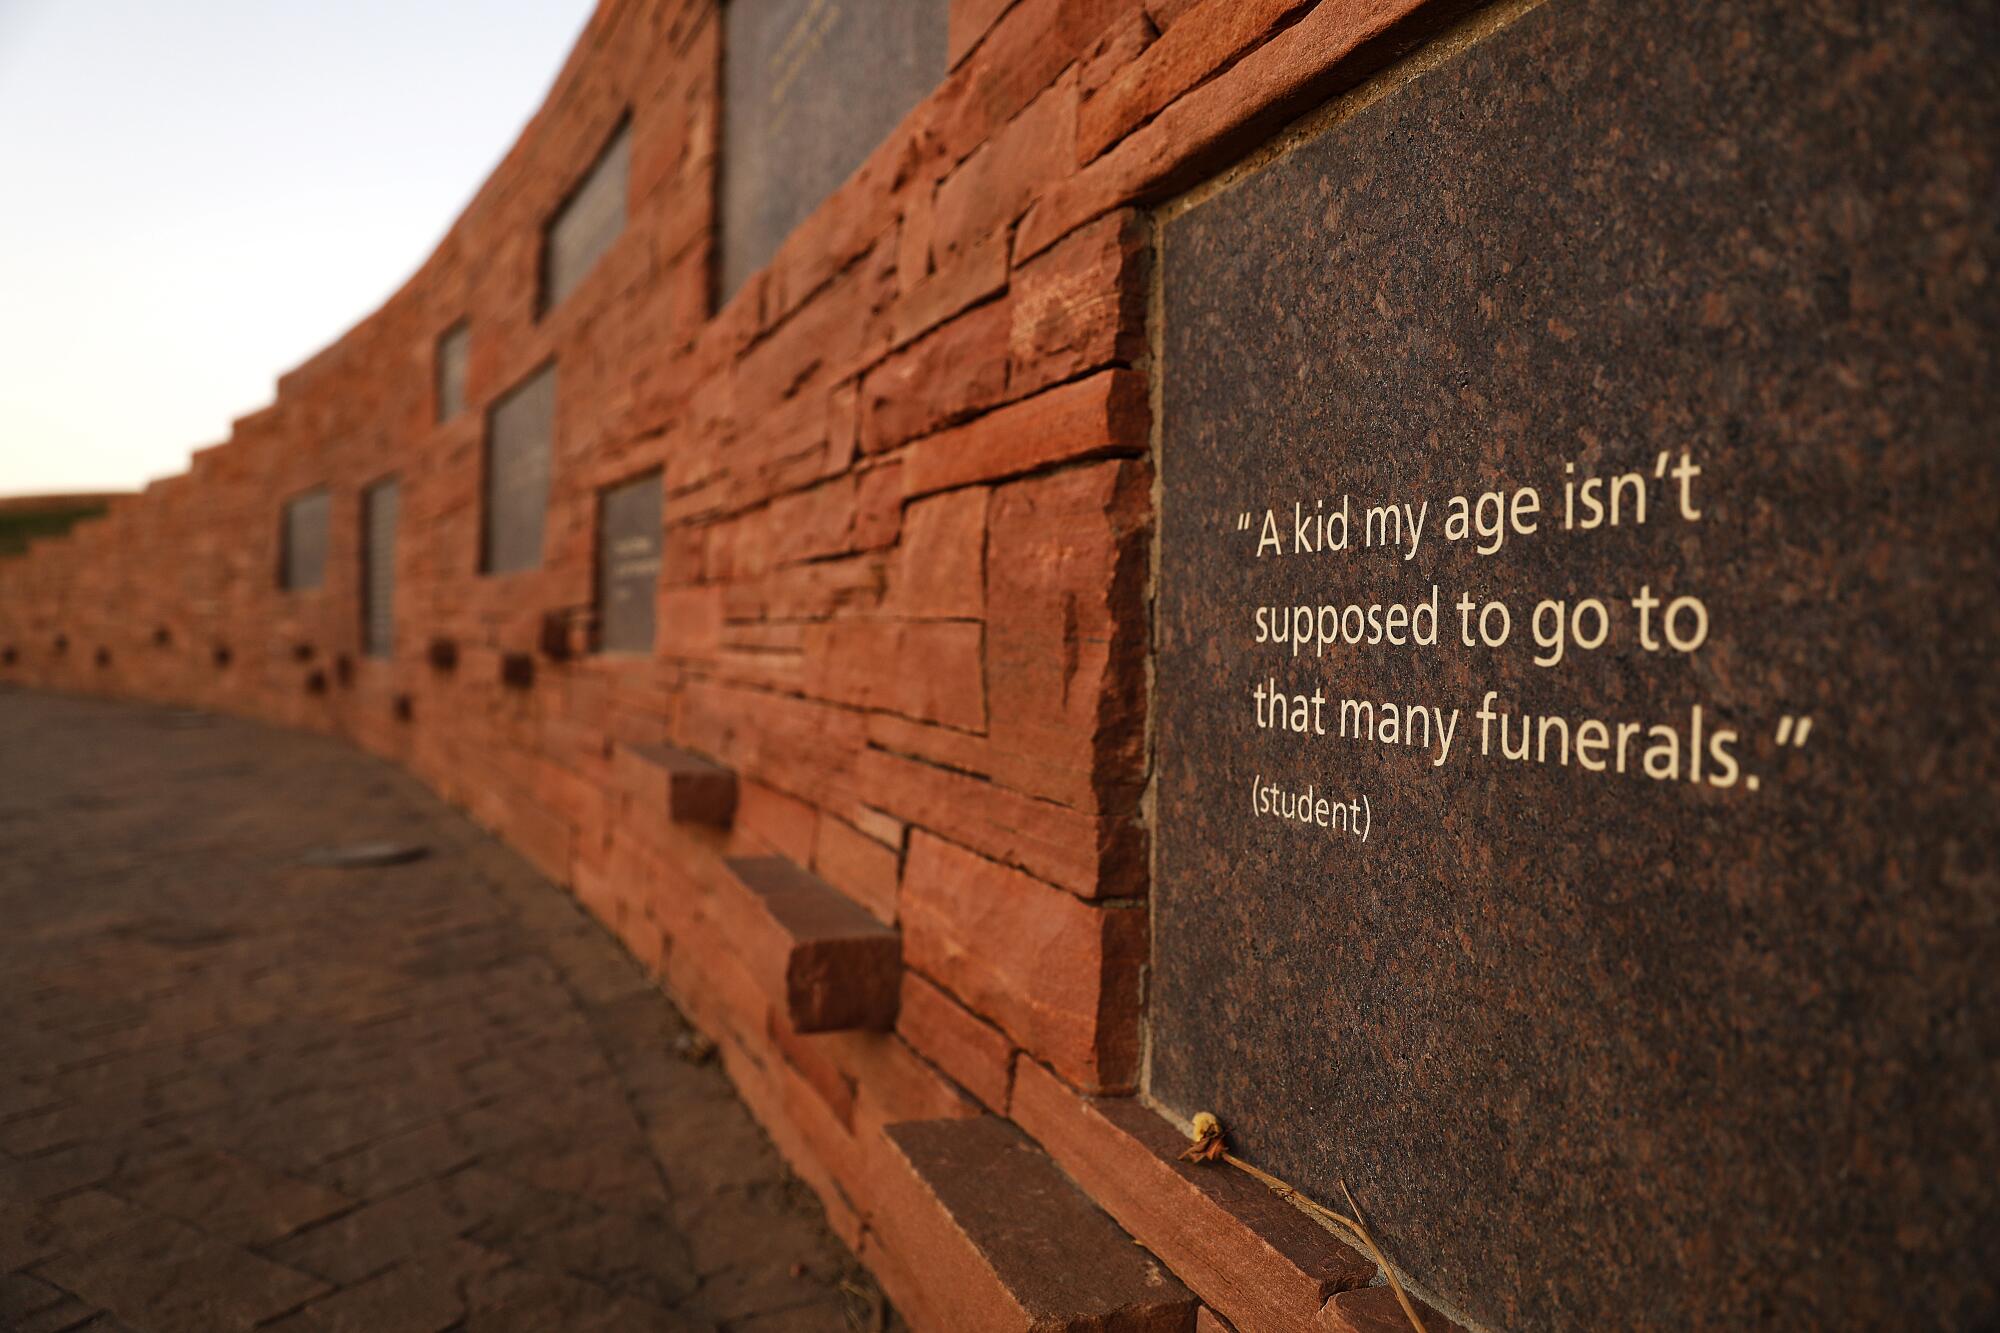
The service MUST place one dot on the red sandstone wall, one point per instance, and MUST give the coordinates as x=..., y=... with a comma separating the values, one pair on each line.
x=905, y=578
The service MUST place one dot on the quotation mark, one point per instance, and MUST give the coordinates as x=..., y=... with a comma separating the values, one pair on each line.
x=1792, y=731
x=1243, y=521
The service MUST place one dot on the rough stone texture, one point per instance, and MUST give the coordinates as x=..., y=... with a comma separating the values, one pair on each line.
x=976, y=1054
x=829, y=965
x=1051, y=969
x=1023, y=1249
x=1574, y=1039
x=669, y=782
x=234, y=1090
x=1239, y=1246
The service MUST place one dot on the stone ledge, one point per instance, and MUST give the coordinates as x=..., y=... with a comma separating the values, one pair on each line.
x=1006, y=1243
x=689, y=788
x=1259, y=1261
x=517, y=671
x=1376, y=1310
x=824, y=960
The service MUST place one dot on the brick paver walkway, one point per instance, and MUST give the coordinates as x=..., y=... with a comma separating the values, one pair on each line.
x=240, y=1092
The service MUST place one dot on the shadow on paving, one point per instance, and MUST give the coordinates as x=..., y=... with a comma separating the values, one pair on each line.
x=238, y=1091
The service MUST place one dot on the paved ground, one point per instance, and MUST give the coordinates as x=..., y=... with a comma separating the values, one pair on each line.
x=238, y=1092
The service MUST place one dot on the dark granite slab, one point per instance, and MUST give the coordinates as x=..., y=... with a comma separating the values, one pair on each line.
x=302, y=553
x=809, y=89
x=1598, y=1049
x=520, y=437
x=380, y=505
x=628, y=564
x=588, y=221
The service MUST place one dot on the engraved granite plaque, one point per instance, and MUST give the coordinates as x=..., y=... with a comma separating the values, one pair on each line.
x=378, y=568
x=1577, y=599
x=586, y=224
x=302, y=544
x=809, y=89
x=520, y=435
x=628, y=565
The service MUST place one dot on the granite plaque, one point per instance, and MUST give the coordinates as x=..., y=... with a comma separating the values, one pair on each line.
x=302, y=543
x=588, y=221
x=520, y=435
x=809, y=89
x=628, y=565
x=454, y=354
x=1576, y=708
x=378, y=568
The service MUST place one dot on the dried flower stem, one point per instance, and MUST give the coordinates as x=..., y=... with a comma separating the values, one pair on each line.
x=1208, y=1147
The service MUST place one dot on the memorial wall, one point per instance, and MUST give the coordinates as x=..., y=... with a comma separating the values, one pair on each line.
x=1419, y=578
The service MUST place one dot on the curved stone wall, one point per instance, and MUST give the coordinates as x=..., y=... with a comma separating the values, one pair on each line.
x=901, y=609
x=875, y=805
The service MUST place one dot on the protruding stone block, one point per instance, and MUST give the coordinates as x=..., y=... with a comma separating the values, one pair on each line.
x=691, y=789
x=993, y=1222
x=828, y=964
x=560, y=631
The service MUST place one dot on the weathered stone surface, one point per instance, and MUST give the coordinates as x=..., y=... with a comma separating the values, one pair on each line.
x=828, y=965
x=1080, y=306
x=1060, y=975
x=453, y=358
x=1573, y=1036
x=1067, y=566
x=975, y=1053
x=1376, y=1310
x=1241, y=1247
x=1215, y=33
x=380, y=504
x=864, y=868
x=1021, y=1248
x=939, y=567
x=1103, y=415
x=810, y=87
x=684, y=787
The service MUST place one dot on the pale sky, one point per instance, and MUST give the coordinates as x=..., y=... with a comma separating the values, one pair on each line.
x=197, y=195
